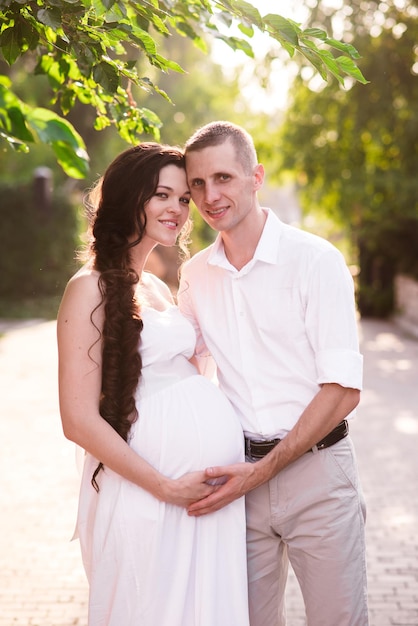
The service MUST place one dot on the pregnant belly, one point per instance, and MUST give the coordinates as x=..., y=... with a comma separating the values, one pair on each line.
x=187, y=426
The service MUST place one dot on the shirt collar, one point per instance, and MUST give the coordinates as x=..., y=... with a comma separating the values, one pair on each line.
x=267, y=247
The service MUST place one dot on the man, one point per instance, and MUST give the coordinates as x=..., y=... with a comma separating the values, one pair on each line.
x=274, y=306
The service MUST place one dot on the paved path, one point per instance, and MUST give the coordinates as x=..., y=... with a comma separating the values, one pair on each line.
x=42, y=582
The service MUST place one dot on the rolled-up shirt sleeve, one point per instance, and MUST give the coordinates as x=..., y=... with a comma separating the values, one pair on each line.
x=331, y=321
x=344, y=367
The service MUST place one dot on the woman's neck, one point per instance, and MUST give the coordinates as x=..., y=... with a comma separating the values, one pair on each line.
x=139, y=256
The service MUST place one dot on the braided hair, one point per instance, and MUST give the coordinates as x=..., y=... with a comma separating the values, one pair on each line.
x=116, y=207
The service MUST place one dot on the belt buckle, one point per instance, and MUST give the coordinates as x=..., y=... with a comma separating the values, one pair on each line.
x=248, y=451
x=267, y=444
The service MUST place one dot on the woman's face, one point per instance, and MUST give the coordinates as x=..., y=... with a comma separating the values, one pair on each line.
x=168, y=209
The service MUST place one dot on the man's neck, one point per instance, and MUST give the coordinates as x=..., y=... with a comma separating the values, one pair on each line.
x=240, y=244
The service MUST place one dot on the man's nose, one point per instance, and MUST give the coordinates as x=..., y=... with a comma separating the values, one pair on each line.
x=211, y=194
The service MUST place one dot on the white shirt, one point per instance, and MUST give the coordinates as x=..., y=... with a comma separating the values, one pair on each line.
x=278, y=328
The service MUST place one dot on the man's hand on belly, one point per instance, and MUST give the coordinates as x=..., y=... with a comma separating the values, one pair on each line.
x=237, y=479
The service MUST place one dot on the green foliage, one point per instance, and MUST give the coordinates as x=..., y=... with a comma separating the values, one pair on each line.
x=199, y=96
x=89, y=53
x=37, y=243
x=20, y=122
x=355, y=156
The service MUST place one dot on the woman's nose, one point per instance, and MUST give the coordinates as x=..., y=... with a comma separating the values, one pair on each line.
x=176, y=207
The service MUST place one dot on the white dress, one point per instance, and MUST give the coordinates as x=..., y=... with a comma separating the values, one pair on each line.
x=148, y=563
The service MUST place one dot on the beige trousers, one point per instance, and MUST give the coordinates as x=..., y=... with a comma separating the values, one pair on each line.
x=311, y=514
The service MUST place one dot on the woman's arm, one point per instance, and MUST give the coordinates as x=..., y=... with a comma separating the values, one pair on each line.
x=79, y=352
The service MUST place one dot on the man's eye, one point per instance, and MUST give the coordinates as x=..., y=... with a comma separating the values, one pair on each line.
x=197, y=183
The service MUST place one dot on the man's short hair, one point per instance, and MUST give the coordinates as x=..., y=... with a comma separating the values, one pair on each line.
x=216, y=133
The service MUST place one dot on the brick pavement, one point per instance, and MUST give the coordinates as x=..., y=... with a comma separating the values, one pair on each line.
x=42, y=582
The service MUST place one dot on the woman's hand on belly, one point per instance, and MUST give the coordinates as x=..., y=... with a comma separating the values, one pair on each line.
x=235, y=481
x=187, y=489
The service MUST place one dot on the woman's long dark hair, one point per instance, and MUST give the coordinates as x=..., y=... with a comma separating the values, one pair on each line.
x=117, y=211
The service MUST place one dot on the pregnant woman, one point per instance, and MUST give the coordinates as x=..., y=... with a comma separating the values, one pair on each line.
x=149, y=423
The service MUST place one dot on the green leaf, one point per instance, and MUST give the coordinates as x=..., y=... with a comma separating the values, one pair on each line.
x=166, y=64
x=57, y=73
x=5, y=81
x=317, y=33
x=101, y=122
x=108, y=4
x=157, y=22
x=201, y=44
x=115, y=11
x=18, y=128
x=330, y=64
x=50, y=17
x=150, y=120
x=74, y=162
x=106, y=76
x=9, y=45
x=237, y=44
x=68, y=146
x=249, y=11
x=344, y=47
x=246, y=30
x=51, y=127
x=67, y=100
x=29, y=35
x=349, y=67
x=285, y=29
x=314, y=59
x=12, y=117
x=185, y=29
x=145, y=40
x=18, y=146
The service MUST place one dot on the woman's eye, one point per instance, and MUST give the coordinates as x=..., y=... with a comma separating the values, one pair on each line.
x=185, y=200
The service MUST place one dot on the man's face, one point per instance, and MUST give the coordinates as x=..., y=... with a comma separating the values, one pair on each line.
x=222, y=191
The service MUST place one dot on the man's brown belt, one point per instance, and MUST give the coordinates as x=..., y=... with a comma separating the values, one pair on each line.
x=259, y=448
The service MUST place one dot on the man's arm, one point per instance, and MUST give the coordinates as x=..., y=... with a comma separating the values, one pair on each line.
x=327, y=409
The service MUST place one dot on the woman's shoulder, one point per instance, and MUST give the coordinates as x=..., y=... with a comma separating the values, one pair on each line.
x=82, y=289
x=85, y=278
x=80, y=314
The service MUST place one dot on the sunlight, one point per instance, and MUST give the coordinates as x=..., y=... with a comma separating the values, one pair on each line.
x=389, y=366
x=401, y=519
x=407, y=423
x=273, y=97
x=385, y=342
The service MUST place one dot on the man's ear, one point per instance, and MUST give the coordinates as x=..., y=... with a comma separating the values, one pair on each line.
x=258, y=176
